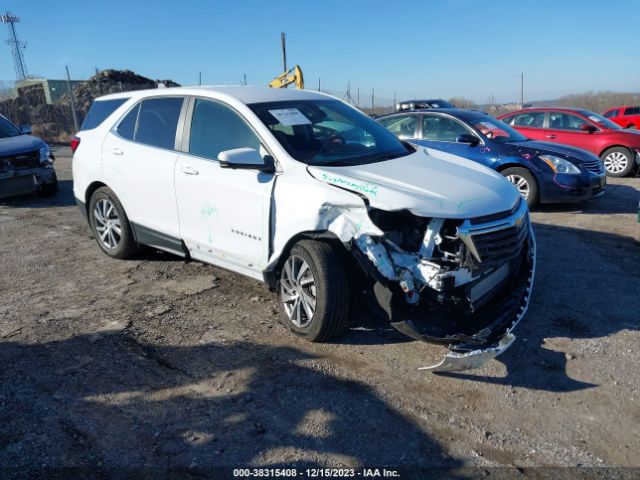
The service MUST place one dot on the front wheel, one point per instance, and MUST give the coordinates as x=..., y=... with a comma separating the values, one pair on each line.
x=525, y=183
x=313, y=291
x=618, y=161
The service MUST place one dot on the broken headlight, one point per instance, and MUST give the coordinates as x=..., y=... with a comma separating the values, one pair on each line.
x=44, y=155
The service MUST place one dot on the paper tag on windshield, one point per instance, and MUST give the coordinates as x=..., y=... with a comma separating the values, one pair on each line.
x=594, y=119
x=290, y=116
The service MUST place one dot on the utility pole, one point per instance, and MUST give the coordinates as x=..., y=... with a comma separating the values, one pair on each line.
x=318, y=83
x=200, y=78
x=394, y=102
x=244, y=79
x=373, y=105
x=521, y=89
x=16, y=45
x=73, y=101
x=283, y=39
x=358, y=96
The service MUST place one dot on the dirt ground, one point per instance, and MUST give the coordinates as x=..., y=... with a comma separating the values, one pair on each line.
x=156, y=364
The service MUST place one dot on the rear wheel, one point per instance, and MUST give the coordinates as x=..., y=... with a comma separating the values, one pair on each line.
x=110, y=224
x=618, y=161
x=525, y=183
x=313, y=291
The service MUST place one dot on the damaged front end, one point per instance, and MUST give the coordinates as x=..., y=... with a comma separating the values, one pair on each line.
x=464, y=284
x=26, y=172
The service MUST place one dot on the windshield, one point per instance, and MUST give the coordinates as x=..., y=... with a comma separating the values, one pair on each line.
x=328, y=132
x=8, y=129
x=601, y=121
x=497, y=130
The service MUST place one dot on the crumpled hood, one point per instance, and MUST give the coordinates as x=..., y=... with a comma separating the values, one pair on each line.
x=19, y=144
x=428, y=183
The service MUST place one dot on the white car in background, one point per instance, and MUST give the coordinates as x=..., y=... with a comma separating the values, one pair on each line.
x=306, y=193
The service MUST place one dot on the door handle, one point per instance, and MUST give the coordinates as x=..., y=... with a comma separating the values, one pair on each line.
x=117, y=151
x=551, y=136
x=189, y=171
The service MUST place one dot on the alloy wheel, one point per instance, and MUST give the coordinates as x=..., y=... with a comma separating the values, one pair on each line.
x=615, y=162
x=521, y=184
x=107, y=223
x=298, y=291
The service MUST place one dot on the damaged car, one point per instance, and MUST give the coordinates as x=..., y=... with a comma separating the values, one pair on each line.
x=307, y=194
x=26, y=163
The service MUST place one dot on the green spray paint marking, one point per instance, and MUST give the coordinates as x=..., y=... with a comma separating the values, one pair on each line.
x=208, y=211
x=358, y=187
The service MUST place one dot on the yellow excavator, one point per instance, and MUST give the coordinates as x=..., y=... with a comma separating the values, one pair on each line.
x=293, y=75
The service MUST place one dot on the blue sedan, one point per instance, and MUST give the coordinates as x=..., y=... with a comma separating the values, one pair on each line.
x=541, y=171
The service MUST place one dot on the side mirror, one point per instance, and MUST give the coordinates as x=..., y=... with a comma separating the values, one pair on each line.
x=472, y=140
x=246, y=159
x=26, y=129
x=585, y=127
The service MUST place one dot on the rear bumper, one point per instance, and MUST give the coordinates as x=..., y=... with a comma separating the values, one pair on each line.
x=571, y=188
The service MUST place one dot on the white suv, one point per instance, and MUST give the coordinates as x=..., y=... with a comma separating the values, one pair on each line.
x=309, y=195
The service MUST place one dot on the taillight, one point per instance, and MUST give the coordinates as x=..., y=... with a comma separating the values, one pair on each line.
x=75, y=141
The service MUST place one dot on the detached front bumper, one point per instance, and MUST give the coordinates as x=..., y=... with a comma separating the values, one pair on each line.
x=474, y=321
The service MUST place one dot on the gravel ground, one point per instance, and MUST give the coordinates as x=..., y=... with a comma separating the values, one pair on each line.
x=158, y=363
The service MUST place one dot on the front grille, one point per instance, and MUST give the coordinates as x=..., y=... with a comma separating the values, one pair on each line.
x=496, y=216
x=23, y=160
x=500, y=245
x=595, y=166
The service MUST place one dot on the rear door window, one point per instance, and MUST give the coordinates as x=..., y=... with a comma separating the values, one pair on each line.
x=158, y=122
x=403, y=126
x=632, y=111
x=99, y=112
x=529, y=120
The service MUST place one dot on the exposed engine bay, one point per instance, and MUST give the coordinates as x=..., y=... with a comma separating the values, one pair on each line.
x=460, y=283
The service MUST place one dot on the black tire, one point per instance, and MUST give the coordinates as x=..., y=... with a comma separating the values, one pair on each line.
x=531, y=184
x=126, y=246
x=49, y=189
x=331, y=291
x=612, y=158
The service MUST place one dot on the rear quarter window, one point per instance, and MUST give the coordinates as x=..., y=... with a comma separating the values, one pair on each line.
x=99, y=111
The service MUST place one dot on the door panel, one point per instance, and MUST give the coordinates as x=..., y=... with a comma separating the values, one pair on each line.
x=142, y=178
x=224, y=213
x=139, y=160
x=565, y=128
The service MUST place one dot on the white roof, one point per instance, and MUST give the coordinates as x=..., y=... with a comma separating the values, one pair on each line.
x=244, y=94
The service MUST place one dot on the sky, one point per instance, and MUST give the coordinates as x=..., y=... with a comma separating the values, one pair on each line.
x=430, y=48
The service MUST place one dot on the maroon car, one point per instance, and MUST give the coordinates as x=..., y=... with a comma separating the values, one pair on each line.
x=618, y=148
x=626, y=117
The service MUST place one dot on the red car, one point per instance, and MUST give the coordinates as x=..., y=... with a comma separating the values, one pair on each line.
x=618, y=148
x=626, y=117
